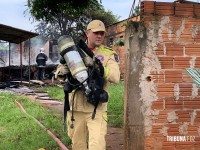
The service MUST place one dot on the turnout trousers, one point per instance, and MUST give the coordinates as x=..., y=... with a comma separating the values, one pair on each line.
x=88, y=133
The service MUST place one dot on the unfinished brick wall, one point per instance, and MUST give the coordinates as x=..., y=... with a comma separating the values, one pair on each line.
x=113, y=34
x=161, y=99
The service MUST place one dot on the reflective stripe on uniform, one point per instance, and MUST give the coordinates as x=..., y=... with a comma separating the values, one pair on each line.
x=40, y=57
x=105, y=50
x=106, y=72
x=105, y=117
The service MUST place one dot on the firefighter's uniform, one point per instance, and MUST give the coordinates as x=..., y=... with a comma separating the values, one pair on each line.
x=83, y=110
x=84, y=124
x=41, y=62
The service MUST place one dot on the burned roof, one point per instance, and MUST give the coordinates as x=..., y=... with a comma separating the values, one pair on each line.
x=14, y=35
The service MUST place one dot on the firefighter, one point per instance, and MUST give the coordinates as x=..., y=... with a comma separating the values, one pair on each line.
x=41, y=63
x=84, y=126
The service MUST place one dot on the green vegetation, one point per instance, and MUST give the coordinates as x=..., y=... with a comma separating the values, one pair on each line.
x=53, y=92
x=116, y=105
x=119, y=42
x=18, y=131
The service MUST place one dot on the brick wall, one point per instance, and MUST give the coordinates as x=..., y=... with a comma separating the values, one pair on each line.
x=113, y=34
x=170, y=101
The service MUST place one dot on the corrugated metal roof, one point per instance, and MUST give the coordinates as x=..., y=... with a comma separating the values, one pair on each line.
x=14, y=35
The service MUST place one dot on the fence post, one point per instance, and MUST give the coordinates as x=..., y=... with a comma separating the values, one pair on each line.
x=133, y=118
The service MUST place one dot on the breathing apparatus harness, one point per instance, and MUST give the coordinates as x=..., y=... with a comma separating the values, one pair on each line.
x=89, y=80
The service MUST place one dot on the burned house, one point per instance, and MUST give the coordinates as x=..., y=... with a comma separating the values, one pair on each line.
x=18, y=59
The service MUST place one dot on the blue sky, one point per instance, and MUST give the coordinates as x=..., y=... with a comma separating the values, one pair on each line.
x=12, y=11
x=12, y=14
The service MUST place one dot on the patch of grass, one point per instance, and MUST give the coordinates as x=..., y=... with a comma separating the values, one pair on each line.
x=18, y=131
x=53, y=92
x=116, y=105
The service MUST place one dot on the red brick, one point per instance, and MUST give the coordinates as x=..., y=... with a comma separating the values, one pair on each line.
x=160, y=50
x=197, y=140
x=197, y=118
x=192, y=130
x=171, y=147
x=186, y=77
x=183, y=116
x=166, y=37
x=166, y=62
x=173, y=104
x=173, y=76
x=197, y=37
x=156, y=130
x=184, y=9
x=165, y=90
x=192, y=50
x=161, y=118
x=193, y=104
x=174, y=49
x=186, y=38
x=173, y=129
x=159, y=105
x=157, y=77
x=191, y=21
x=197, y=62
x=185, y=89
x=184, y=145
x=168, y=144
x=182, y=62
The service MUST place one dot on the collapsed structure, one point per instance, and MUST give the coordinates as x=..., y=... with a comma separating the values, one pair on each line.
x=19, y=61
x=17, y=36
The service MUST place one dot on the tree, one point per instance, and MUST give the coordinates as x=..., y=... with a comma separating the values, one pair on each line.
x=136, y=11
x=106, y=16
x=48, y=30
x=67, y=17
x=62, y=12
x=47, y=10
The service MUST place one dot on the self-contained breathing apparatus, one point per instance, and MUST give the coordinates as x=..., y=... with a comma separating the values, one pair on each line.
x=87, y=77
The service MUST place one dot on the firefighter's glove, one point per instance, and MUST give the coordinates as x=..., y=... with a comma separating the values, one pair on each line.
x=100, y=67
x=61, y=71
